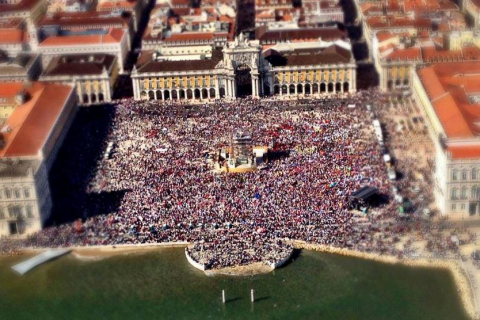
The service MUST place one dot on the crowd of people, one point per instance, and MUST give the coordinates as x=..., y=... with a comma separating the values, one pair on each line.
x=161, y=158
x=240, y=251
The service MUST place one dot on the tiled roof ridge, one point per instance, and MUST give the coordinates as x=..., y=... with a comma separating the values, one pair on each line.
x=35, y=97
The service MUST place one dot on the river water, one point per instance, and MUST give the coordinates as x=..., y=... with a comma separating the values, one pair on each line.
x=162, y=285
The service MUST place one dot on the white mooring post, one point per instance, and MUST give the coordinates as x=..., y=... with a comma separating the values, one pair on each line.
x=223, y=296
x=252, y=295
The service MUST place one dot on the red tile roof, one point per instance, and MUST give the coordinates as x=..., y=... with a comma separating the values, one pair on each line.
x=113, y=36
x=385, y=35
x=12, y=36
x=31, y=123
x=431, y=54
x=408, y=54
x=9, y=90
x=448, y=86
x=464, y=152
x=471, y=53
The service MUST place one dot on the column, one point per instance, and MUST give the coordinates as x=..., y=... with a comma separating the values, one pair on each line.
x=120, y=62
x=254, y=86
x=354, y=80
x=79, y=91
x=155, y=95
x=108, y=91
x=217, y=88
x=136, y=90
x=234, y=88
x=261, y=86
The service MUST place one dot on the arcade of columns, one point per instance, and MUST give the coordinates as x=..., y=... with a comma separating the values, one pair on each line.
x=178, y=87
x=265, y=79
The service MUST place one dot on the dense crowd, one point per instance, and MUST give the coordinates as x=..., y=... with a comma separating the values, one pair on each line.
x=320, y=152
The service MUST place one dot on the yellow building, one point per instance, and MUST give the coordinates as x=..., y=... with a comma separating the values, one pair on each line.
x=242, y=69
x=93, y=76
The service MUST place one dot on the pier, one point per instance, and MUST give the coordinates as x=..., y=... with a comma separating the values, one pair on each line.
x=26, y=266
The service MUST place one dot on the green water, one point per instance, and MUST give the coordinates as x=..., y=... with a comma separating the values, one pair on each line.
x=162, y=285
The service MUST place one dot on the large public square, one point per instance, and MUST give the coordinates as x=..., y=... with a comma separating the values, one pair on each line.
x=157, y=183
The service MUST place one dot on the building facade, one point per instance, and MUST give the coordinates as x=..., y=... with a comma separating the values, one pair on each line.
x=242, y=69
x=114, y=42
x=31, y=137
x=24, y=192
x=93, y=76
x=444, y=91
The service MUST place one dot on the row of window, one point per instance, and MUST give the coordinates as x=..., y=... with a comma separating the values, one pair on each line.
x=16, y=193
x=92, y=86
x=13, y=212
x=308, y=78
x=180, y=83
x=463, y=193
x=463, y=174
x=462, y=206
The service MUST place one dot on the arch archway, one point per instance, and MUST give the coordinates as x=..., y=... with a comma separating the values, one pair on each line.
x=204, y=94
x=222, y=92
x=159, y=95
x=284, y=89
x=276, y=89
x=174, y=95
x=93, y=98
x=307, y=89
x=166, y=95
x=181, y=94
x=85, y=97
x=243, y=80
x=390, y=84
x=330, y=87
x=398, y=83
x=189, y=94
x=101, y=98
x=346, y=87
x=196, y=93
x=323, y=87
x=315, y=88
x=338, y=87
x=292, y=89
x=299, y=88
x=212, y=93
